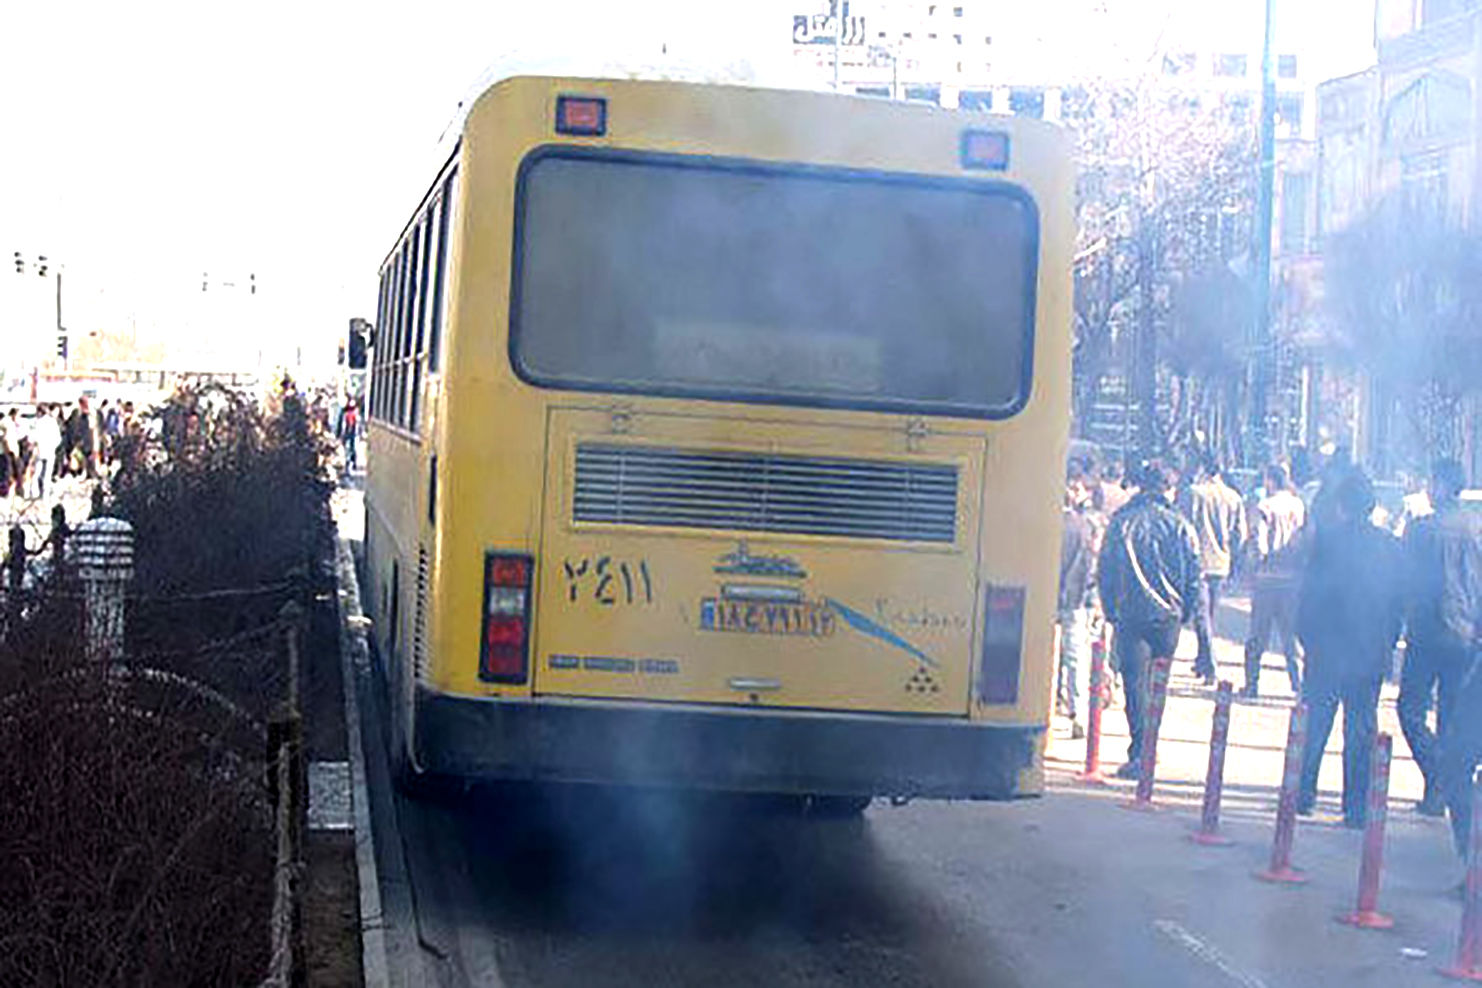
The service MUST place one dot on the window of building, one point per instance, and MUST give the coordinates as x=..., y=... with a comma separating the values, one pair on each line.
x=925, y=94
x=1231, y=66
x=1286, y=66
x=957, y=38
x=1289, y=113
x=880, y=91
x=975, y=99
x=1296, y=189
x=1075, y=103
x=1180, y=63
x=1027, y=103
x=956, y=11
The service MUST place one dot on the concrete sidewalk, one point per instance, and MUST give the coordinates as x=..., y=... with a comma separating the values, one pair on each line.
x=1420, y=873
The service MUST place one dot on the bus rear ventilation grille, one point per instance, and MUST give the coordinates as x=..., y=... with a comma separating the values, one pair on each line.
x=765, y=492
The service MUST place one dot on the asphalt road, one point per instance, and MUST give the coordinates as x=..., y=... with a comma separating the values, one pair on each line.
x=573, y=887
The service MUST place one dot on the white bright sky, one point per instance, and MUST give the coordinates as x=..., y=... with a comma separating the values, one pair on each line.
x=143, y=143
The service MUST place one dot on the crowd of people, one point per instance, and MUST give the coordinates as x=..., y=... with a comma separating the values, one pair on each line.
x=53, y=441
x=1342, y=594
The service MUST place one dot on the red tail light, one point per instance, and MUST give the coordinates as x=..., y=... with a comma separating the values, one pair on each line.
x=504, y=654
x=1003, y=645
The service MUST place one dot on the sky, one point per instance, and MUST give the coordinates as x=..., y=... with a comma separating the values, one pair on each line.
x=149, y=143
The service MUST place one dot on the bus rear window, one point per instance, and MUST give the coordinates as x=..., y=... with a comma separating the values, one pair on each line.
x=695, y=277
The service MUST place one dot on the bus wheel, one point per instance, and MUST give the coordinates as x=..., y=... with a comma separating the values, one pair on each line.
x=838, y=807
x=404, y=774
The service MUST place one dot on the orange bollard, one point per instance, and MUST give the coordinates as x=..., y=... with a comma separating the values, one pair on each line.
x=1208, y=833
x=1280, y=869
x=1099, y=691
x=1148, y=762
x=1468, y=963
x=1366, y=914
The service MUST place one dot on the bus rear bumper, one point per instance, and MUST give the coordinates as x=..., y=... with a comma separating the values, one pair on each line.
x=742, y=750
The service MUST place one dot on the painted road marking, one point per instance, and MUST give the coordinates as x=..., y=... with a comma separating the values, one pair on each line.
x=1206, y=952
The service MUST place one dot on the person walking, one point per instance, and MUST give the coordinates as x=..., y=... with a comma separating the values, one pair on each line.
x=1276, y=567
x=1348, y=619
x=82, y=429
x=1443, y=568
x=1073, y=614
x=10, y=455
x=349, y=431
x=1217, y=513
x=1148, y=578
x=46, y=437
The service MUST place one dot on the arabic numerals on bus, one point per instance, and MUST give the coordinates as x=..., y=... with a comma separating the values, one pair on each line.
x=608, y=580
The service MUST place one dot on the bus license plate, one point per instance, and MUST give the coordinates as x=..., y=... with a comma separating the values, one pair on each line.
x=752, y=617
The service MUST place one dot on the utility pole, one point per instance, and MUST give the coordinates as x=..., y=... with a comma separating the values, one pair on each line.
x=62, y=333
x=1261, y=347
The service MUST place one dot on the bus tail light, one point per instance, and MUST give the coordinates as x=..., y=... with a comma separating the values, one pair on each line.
x=504, y=653
x=1003, y=645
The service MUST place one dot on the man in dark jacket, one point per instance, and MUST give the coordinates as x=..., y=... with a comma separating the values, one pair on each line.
x=1348, y=619
x=1148, y=577
x=1443, y=563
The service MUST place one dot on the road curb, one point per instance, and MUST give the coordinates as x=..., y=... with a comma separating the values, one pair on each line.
x=375, y=967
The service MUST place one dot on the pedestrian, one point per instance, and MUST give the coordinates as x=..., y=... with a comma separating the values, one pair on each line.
x=1217, y=512
x=1276, y=567
x=83, y=430
x=1348, y=619
x=1443, y=569
x=111, y=427
x=10, y=455
x=1148, y=577
x=1073, y=613
x=47, y=437
x=64, y=445
x=348, y=431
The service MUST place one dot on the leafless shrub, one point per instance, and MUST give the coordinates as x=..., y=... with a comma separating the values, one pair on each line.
x=136, y=843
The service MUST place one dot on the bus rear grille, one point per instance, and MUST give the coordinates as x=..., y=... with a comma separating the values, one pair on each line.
x=765, y=492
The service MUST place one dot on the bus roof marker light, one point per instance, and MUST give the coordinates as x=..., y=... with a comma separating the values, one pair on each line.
x=985, y=149
x=582, y=116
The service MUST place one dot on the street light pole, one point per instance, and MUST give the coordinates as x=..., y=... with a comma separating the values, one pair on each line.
x=1261, y=350
x=61, y=333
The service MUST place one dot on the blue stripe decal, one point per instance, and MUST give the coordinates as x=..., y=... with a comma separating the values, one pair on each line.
x=864, y=625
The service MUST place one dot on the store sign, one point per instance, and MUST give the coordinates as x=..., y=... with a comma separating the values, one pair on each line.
x=823, y=29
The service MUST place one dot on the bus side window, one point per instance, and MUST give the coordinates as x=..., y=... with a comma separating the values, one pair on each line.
x=432, y=491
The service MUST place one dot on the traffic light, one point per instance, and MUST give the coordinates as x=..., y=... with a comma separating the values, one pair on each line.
x=20, y=263
x=252, y=283
x=359, y=330
x=203, y=281
x=41, y=266
x=62, y=345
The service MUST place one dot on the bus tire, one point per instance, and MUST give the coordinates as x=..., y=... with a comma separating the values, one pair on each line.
x=838, y=807
x=405, y=776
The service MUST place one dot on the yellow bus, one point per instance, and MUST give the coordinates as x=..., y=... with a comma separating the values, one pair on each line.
x=716, y=439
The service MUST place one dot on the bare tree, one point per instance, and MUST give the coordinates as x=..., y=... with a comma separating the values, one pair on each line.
x=1164, y=204
x=1405, y=293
